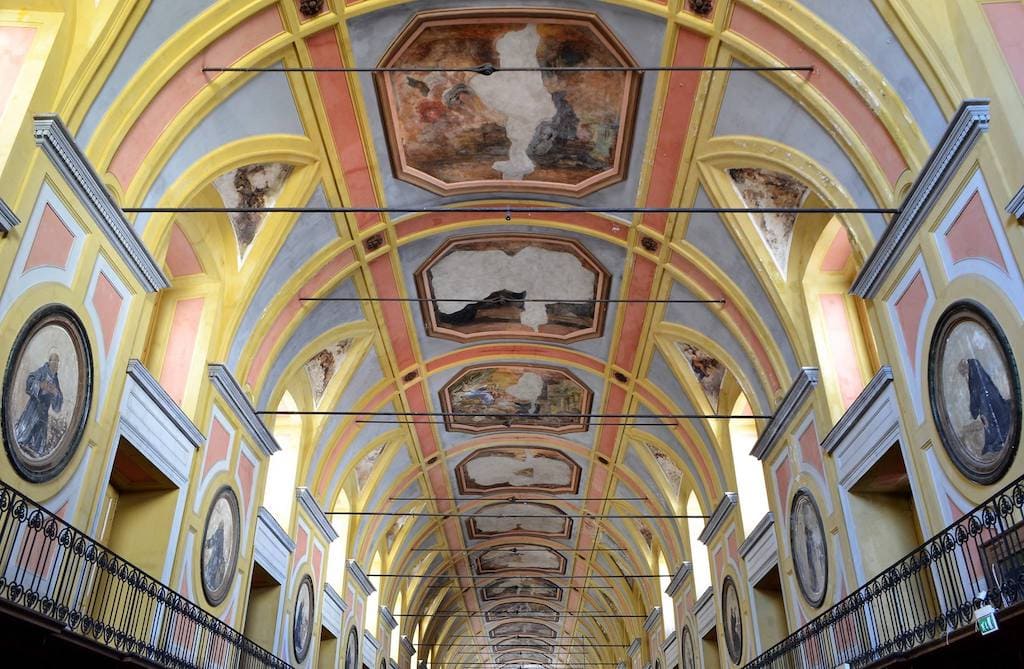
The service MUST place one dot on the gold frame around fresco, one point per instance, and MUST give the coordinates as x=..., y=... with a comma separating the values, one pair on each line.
x=469, y=15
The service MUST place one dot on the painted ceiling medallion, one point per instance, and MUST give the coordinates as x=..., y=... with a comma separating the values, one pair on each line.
x=521, y=610
x=487, y=284
x=510, y=558
x=256, y=185
x=523, y=629
x=517, y=518
x=515, y=468
x=565, y=133
x=765, y=188
x=708, y=370
x=485, y=398
x=520, y=586
x=320, y=369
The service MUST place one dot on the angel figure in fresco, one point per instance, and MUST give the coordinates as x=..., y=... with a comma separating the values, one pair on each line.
x=43, y=389
x=986, y=404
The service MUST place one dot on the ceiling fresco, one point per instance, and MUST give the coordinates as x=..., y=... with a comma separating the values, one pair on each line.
x=524, y=629
x=522, y=609
x=250, y=186
x=519, y=587
x=511, y=558
x=532, y=398
x=708, y=370
x=517, y=469
x=551, y=132
x=511, y=518
x=521, y=286
x=766, y=188
x=320, y=369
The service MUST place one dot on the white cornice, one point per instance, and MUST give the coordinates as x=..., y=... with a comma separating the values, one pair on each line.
x=969, y=121
x=7, y=219
x=149, y=385
x=677, y=580
x=232, y=393
x=407, y=645
x=392, y=664
x=718, y=516
x=760, y=549
x=802, y=386
x=307, y=502
x=633, y=647
x=388, y=617
x=275, y=528
x=652, y=619
x=704, y=611
x=857, y=409
x=333, y=595
x=1016, y=206
x=360, y=577
x=666, y=645
x=57, y=143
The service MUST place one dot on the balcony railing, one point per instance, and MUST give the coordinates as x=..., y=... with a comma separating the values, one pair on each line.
x=53, y=569
x=932, y=592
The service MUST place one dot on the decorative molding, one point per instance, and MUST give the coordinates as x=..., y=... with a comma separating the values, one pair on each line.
x=704, y=611
x=805, y=381
x=232, y=393
x=52, y=135
x=334, y=608
x=1015, y=208
x=392, y=664
x=677, y=581
x=138, y=373
x=8, y=219
x=760, y=550
x=407, y=645
x=272, y=545
x=360, y=576
x=370, y=648
x=633, y=647
x=388, y=617
x=667, y=645
x=309, y=503
x=858, y=409
x=969, y=121
x=652, y=619
x=718, y=516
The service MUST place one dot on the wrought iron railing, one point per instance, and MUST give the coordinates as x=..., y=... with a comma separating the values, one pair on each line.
x=51, y=568
x=932, y=592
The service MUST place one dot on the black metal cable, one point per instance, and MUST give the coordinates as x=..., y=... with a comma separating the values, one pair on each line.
x=467, y=414
x=562, y=577
x=488, y=69
x=507, y=211
x=504, y=301
x=440, y=514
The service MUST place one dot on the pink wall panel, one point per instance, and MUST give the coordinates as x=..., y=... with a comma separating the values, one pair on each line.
x=216, y=447
x=841, y=345
x=971, y=235
x=15, y=42
x=107, y=302
x=910, y=310
x=52, y=244
x=181, y=257
x=181, y=347
x=1007, y=20
x=838, y=252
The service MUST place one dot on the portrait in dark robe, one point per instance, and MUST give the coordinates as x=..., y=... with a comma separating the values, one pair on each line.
x=32, y=431
x=302, y=621
x=220, y=546
x=987, y=404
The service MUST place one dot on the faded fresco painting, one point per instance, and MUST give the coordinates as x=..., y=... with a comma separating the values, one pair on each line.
x=807, y=542
x=321, y=368
x=708, y=370
x=521, y=610
x=520, y=586
x=250, y=187
x=523, y=629
x=525, y=643
x=975, y=392
x=511, y=558
x=521, y=286
x=524, y=659
x=487, y=399
x=219, y=549
x=47, y=393
x=302, y=619
x=733, y=620
x=504, y=518
x=460, y=131
x=515, y=468
x=760, y=188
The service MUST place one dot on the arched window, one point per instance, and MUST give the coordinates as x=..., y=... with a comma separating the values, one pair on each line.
x=372, y=613
x=698, y=552
x=750, y=486
x=279, y=493
x=396, y=634
x=668, y=611
x=337, y=552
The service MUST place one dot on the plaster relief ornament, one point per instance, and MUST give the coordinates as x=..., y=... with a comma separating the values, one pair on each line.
x=302, y=619
x=732, y=619
x=489, y=129
x=219, y=548
x=974, y=390
x=708, y=370
x=491, y=287
x=807, y=544
x=352, y=659
x=250, y=186
x=47, y=393
x=490, y=398
x=321, y=368
x=765, y=188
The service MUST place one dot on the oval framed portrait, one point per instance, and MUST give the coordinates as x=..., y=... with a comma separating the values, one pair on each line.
x=47, y=393
x=807, y=545
x=219, y=550
x=974, y=390
x=689, y=655
x=732, y=620
x=302, y=619
x=352, y=649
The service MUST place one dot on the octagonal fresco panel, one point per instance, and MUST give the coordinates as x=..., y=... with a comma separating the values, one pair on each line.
x=511, y=558
x=548, y=132
x=520, y=586
x=509, y=518
x=523, y=629
x=516, y=468
x=533, y=397
x=521, y=610
x=486, y=284
x=527, y=643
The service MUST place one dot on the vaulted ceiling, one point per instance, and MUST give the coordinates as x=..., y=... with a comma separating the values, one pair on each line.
x=530, y=516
